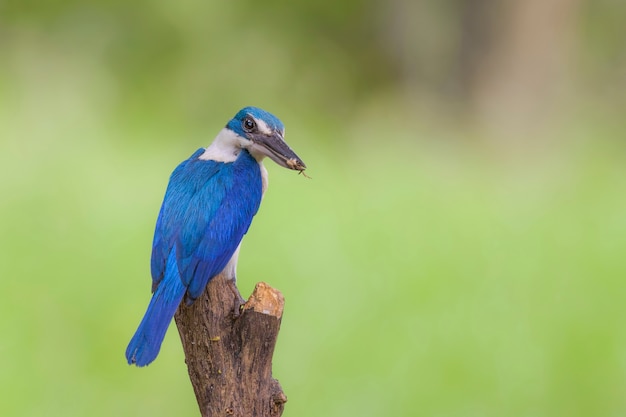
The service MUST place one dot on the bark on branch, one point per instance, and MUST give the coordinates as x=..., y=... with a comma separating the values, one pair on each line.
x=229, y=358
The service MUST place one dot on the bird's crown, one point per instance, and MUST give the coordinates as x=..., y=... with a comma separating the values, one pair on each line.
x=252, y=120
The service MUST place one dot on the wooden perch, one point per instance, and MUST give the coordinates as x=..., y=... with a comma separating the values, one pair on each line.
x=229, y=358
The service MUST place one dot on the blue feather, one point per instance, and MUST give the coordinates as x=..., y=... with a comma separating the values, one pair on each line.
x=206, y=211
x=146, y=343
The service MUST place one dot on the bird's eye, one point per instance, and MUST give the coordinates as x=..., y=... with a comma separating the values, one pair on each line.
x=248, y=124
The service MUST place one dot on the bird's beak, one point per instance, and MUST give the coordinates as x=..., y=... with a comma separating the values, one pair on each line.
x=275, y=147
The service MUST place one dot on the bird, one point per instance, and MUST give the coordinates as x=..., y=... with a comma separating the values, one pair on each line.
x=207, y=209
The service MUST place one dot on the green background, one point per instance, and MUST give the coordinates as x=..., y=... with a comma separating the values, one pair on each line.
x=444, y=260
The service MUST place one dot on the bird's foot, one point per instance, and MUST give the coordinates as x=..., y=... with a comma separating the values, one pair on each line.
x=239, y=301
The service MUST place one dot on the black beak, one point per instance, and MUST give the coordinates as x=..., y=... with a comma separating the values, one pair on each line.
x=275, y=147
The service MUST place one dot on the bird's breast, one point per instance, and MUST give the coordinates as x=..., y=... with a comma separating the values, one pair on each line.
x=264, y=178
x=250, y=175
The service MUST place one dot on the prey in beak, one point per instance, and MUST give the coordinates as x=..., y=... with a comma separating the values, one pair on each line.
x=274, y=146
x=262, y=134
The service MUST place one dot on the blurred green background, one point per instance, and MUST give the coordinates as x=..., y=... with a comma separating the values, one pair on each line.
x=459, y=251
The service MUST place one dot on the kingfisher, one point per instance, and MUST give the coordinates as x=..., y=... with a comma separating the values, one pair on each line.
x=208, y=207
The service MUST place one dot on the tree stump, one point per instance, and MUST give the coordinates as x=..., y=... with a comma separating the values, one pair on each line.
x=229, y=353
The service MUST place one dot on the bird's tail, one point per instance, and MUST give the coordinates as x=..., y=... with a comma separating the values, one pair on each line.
x=146, y=343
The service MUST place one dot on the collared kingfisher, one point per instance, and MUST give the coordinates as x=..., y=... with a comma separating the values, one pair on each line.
x=207, y=209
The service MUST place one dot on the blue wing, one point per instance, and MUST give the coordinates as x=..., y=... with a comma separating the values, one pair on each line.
x=207, y=209
x=177, y=198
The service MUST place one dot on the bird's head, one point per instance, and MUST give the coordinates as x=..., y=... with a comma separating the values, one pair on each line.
x=262, y=135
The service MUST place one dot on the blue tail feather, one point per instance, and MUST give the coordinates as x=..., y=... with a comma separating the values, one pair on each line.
x=146, y=343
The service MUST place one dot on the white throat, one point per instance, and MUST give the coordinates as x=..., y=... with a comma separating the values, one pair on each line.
x=225, y=147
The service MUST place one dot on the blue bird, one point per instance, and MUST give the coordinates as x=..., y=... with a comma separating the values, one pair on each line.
x=207, y=209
